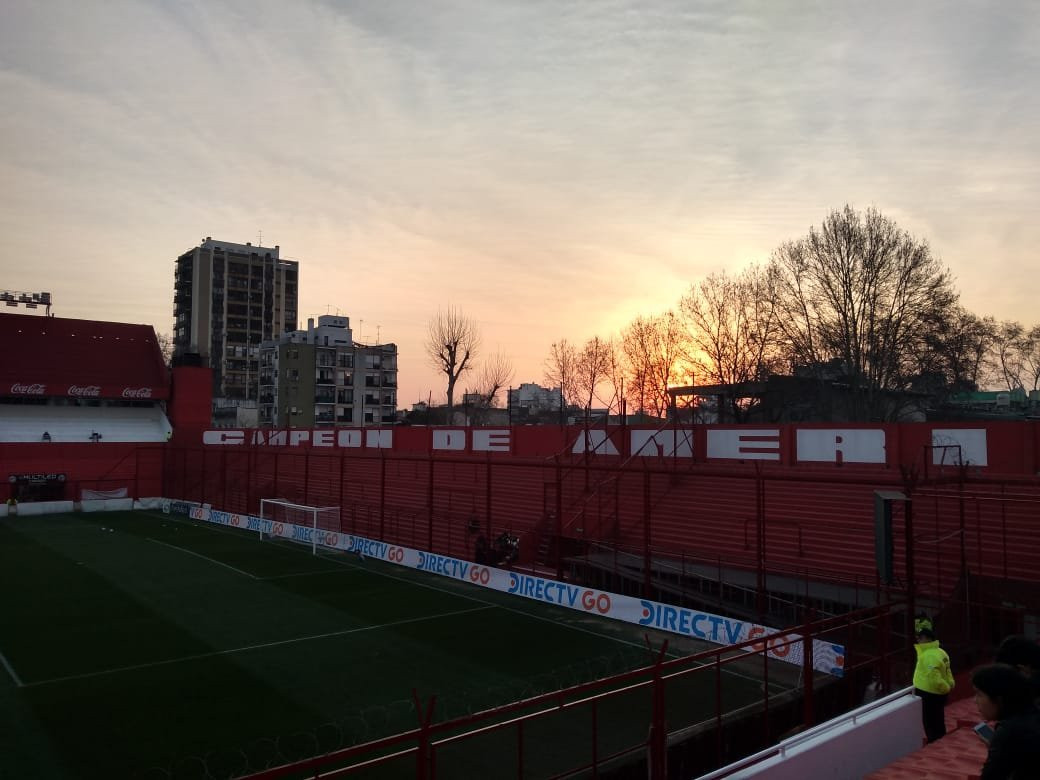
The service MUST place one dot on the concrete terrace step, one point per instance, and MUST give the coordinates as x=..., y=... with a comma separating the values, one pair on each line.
x=960, y=754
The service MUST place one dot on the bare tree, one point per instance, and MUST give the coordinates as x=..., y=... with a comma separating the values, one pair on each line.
x=1016, y=355
x=592, y=368
x=496, y=373
x=561, y=370
x=165, y=342
x=616, y=374
x=1009, y=348
x=731, y=328
x=860, y=291
x=653, y=347
x=1031, y=359
x=452, y=342
x=958, y=351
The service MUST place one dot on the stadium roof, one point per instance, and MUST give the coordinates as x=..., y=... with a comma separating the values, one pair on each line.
x=52, y=356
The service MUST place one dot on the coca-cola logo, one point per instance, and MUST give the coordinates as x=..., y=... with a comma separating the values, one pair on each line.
x=137, y=392
x=36, y=389
x=87, y=391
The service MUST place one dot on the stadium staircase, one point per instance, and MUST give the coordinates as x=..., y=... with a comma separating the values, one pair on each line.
x=957, y=756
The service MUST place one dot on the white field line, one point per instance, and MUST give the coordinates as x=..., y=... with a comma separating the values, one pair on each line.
x=296, y=548
x=216, y=653
x=671, y=654
x=11, y=671
x=300, y=574
x=203, y=557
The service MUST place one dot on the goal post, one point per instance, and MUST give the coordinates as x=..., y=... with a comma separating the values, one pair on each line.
x=284, y=512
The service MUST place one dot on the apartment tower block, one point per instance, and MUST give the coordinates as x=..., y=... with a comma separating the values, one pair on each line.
x=228, y=299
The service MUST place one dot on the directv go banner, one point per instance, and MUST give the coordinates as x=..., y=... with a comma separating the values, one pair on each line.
x=827, y=657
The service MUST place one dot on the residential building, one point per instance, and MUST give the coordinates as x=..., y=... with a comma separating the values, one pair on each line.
x=530, y=399
x=228, y=298
x=320, y=376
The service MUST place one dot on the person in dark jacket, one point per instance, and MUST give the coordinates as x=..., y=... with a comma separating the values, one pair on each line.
x=1023, y=654
x=933, y=680
x=1014, y=750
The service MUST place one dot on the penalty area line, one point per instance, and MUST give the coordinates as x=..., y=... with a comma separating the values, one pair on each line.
x=303, y=574
x=203, y=557
x=10, y=670
x=262, y=646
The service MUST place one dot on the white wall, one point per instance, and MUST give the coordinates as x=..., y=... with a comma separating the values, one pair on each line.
x=860, y=742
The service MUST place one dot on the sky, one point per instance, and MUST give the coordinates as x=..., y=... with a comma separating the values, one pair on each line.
x=551, y=169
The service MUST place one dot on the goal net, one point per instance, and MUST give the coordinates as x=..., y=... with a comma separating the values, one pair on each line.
x=284, y=514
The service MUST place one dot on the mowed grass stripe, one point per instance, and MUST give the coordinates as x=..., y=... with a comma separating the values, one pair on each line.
x=264, y=646
x=61, y=614
x=461, y=590
x=218, y=607
x=559, y=617
x=204, y=557
x=121, y=726
x=113, y=723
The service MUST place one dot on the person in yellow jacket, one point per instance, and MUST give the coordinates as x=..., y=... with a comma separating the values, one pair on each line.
x=932, y=682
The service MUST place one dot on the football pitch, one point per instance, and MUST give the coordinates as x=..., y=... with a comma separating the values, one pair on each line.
x=135, y=644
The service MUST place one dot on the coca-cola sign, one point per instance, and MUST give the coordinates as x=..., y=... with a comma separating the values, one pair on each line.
x=34, y=389
x=137, y=392
x=85, y=391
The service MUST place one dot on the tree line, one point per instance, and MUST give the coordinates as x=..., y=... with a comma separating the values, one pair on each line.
x=858, y=298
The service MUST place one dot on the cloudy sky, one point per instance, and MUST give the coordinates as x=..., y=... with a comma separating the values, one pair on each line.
x=551, y=168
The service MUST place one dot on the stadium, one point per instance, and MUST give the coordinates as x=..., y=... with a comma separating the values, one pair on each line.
x=674, y=600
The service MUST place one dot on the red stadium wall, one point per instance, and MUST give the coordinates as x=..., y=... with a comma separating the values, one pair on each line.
x=772, y=496
x=90, y=466
x=796, y=499
x=190, y=406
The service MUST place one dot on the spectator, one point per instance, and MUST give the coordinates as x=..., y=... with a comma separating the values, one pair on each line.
x=1024, y=654
x=932, y=682
x=481, y=553
x=1014, y=750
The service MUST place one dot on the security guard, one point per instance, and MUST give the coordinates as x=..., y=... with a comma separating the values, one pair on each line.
x=933, y=680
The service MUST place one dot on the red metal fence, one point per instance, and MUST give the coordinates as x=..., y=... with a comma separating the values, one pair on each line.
x=692, y=714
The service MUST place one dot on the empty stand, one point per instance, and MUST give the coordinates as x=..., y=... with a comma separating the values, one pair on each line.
x=76, y=424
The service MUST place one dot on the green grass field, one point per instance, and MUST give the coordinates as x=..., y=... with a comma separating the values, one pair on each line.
x=141, y=645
